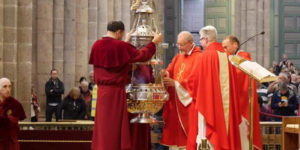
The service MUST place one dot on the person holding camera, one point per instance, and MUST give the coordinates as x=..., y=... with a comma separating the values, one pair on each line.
x=284, y=101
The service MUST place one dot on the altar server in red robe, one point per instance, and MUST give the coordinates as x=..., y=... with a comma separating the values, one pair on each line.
x=231, y=45
x=216, y=99
x=112, y=60
x=11, y=111
x=179, y=79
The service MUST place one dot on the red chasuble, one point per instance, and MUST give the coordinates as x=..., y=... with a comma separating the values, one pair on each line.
x=216, y=102
x=243, y=84
x=111, y=59
x=178, y=109
x=11, y=111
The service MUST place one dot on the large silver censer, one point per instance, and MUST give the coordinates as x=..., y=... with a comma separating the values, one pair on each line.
x=146, y=94
x=146, y=100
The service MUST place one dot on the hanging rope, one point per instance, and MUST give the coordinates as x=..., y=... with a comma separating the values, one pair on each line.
x=135, y=4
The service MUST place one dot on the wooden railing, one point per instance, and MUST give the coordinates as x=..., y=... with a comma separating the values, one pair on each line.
x=271, y=135
x=271, y=131
x=75, y=135
x=67, y=125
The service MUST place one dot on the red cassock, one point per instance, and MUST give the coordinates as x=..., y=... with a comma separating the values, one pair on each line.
x=181, y=102
x=216, y=102
x=243, y=84
x=112, y=61
x=11, y=111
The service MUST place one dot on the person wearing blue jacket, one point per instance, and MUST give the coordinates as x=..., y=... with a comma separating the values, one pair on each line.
x=284, y=101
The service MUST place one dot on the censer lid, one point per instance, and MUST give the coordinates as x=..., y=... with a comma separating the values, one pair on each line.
x=144, y=8
x=143, y=30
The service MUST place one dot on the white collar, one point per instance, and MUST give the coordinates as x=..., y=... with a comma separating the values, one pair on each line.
x=190, y=51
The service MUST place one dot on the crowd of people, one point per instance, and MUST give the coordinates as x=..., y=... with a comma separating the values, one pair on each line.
x=281, y=97
x=76, y=105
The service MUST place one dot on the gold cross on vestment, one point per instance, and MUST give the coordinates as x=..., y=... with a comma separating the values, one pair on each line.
x=181, y=70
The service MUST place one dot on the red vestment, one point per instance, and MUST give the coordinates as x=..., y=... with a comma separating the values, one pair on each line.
x=111, y=59
x=11, y=111
x=220, y=131
x=178, y=109
x=243, y=88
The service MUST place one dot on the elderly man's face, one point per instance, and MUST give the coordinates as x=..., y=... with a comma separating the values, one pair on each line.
x=92, y=78
x=183, y=45
x=229, y=46
x=203, y=41
x=5, y=89
x=84, y=87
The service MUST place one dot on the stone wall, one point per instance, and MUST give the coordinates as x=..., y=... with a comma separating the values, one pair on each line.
x=249, y=18
x=16, y=47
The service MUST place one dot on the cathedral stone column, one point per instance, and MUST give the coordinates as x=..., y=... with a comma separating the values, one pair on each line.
x=92, y=30
x=81, y=39
x=44, y=47
x=24, y=54
x=118, y=11
x=266, y=27
x=58, y=45
x=69, y=44
x=260, y=26
x=105, y=14
x=1, y=35
x=102, y=17
x=251, y=27
x=125, y=13
x=34, y=50
x=250, y=18
x=10, y=42
x=160, y=14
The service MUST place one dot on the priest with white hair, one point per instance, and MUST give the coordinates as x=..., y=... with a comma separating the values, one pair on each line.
x=178, y=78
x=11, y=111
x=217, y=103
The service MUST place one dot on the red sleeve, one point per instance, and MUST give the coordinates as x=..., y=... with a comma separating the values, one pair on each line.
x=4, y=120
x=143, y=54
x=16, y=113
x=92, y=54
x=109, y=53
x=19, y=112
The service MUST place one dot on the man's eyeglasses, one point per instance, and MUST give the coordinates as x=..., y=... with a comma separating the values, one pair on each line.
x=180, y=45
x=202, y=38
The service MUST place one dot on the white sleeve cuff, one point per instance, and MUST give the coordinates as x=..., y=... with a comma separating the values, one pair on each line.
x=183, y=94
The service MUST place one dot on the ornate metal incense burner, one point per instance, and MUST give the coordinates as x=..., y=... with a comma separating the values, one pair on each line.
x=146, y=94
x=146, y=100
